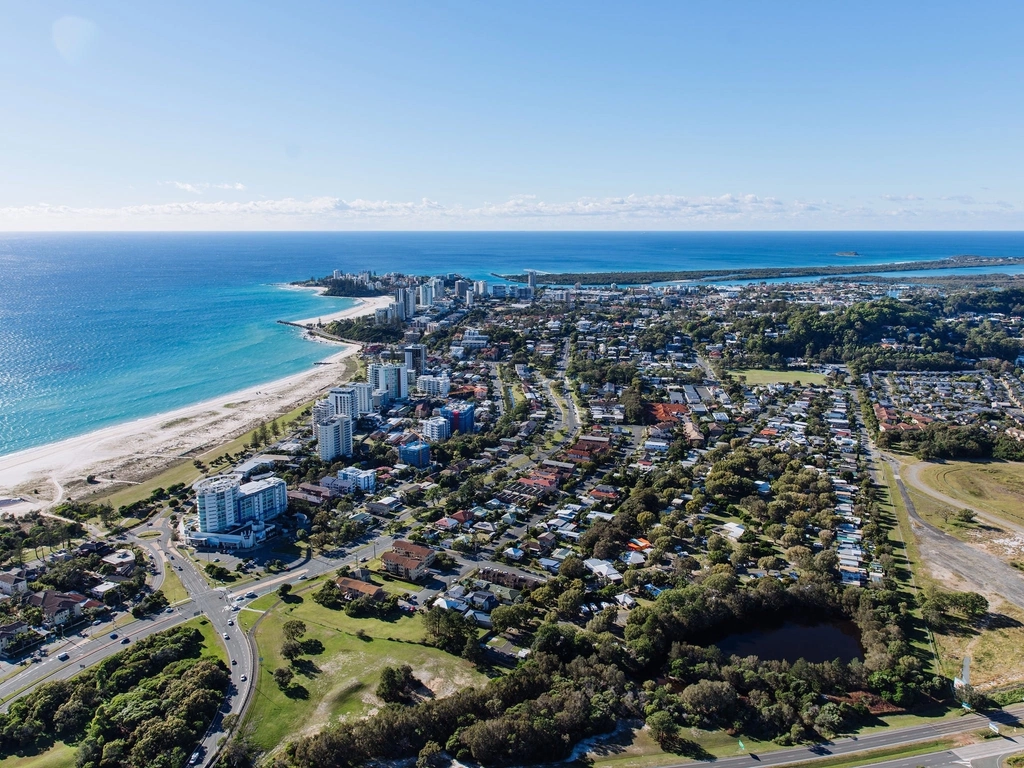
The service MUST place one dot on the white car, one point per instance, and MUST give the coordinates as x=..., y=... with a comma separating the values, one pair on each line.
x=225, y=635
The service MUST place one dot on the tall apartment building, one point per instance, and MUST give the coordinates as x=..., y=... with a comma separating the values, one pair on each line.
x=322, y=411
x=416, y=358
x=364, y=396
x=480, y=287
x=394, y=379
x=435, y=429
x=400, y=303
x=415, y=454
x=462, y=287
x=460, y=417
x=343, y=402
x=334, y=438
x=426, y=295
x=224, y=503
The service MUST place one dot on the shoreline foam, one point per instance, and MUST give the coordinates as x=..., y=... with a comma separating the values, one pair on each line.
x=134, y=450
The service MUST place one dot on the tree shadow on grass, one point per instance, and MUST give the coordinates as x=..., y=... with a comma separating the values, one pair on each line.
x=687, y=748
x=306, y=668
x=296, y=691
x=312, y=647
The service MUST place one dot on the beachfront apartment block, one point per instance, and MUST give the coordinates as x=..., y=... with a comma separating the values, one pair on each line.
x=343, y=402
x=225, y=504
x=334, y=438
x=426, y=295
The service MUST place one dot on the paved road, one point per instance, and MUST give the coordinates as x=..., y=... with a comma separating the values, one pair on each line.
x=83, y=651
x=977, y=756
x=214, y=603
x=987, y=573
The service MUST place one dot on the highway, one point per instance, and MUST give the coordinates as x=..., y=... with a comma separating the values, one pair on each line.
x=982, y=755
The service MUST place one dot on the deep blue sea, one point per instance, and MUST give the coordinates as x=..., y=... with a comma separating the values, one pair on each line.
x=97, y=329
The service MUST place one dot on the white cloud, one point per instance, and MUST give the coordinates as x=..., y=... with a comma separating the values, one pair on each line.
x=911, y=198
x=523, y=211
x=962, y=199
x=198, y=189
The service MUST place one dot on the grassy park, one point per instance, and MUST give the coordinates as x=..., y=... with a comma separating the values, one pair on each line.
x=765, y=376
x=340, y=681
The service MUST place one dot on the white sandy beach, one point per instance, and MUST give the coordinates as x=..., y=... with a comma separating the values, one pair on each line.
x=138, y=449
x=365, y=306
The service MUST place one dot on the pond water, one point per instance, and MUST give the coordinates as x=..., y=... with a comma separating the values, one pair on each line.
x=792, y=641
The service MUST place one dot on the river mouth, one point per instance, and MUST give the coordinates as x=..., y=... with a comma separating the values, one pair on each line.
x=792, y=640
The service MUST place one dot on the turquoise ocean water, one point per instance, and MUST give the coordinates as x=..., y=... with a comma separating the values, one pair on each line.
x=97, y=329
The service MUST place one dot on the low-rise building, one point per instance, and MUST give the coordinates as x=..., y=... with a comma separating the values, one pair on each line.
x=408, y=560
x=353, y=589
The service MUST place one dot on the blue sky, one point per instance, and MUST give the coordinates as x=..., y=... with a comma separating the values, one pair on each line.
x=443, y=115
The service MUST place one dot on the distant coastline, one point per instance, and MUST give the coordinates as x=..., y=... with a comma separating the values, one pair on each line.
x=767, y=273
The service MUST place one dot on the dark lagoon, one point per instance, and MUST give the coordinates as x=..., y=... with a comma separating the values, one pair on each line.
x=792, y=641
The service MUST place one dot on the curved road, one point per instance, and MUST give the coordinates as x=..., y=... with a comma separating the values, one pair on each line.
x=912, y=473
x=987, y=573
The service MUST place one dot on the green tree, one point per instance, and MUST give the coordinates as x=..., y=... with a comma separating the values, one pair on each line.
x=663, y=727
x=291, y=649
x=293, y=629
x=510, y=616
x=283, y=677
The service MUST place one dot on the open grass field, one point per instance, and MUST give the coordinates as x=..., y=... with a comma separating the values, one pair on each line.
x=765, y=376
x=60, y=755
x=940, y=515
x=995, y=487
x=340, y=682
x=996, y=650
